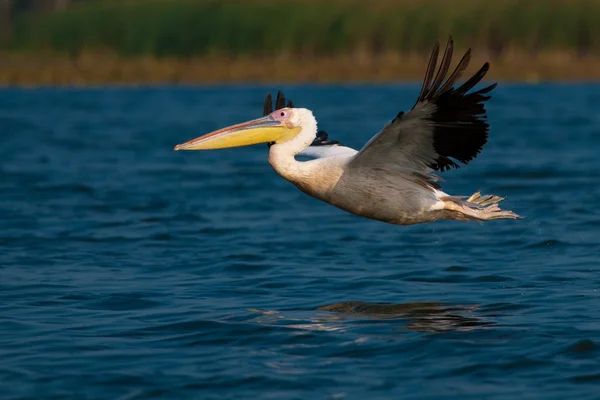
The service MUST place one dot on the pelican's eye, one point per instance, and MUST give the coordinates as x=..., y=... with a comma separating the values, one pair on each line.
x=280, y=115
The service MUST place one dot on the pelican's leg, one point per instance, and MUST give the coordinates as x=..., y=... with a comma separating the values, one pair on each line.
x=478, y=207
x=477, y=198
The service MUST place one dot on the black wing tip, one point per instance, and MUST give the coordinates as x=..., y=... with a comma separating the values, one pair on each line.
x=431, y=65
x=280, y=102
x=322, y=139
x=434, y=88
x=268, y=105
x=460, y=121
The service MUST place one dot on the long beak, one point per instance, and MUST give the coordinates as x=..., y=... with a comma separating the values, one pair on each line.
x=261, y=130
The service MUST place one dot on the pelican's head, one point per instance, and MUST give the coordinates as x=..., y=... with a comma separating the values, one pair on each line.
x=280, y=126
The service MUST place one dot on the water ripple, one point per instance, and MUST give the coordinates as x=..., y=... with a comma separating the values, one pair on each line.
x=130, y=271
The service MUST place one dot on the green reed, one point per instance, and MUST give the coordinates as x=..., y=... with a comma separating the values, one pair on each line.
x=188, y=28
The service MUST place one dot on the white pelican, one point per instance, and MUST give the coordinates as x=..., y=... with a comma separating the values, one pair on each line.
x=391, y=178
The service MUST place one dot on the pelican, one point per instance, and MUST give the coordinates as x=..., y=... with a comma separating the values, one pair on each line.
x=392, y=177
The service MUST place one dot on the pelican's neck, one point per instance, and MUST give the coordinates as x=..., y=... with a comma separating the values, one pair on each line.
x=282, y=155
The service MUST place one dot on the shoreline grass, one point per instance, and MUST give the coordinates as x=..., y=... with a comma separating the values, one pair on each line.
x=198, y=28
x=102, y=69
x=216, y=41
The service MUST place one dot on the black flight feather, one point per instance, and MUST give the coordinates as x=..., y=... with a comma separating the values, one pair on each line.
x=268, y=106
x=460, y=128
x=280, y=101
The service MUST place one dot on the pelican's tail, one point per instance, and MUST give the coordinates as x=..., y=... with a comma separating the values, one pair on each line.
x=479, y=207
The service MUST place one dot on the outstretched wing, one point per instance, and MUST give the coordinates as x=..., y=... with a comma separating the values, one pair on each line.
x=444, y=125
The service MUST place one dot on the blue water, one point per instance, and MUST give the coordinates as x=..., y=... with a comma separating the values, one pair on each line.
x=130, y=271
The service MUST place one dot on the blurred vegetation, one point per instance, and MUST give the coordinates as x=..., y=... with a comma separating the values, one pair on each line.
x=185, y=28
x=127, y=41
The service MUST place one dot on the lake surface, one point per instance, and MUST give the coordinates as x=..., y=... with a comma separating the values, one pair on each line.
x=130, y=271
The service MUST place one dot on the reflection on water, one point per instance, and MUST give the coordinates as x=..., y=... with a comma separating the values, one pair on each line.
x=290, y=320
x=421, y=317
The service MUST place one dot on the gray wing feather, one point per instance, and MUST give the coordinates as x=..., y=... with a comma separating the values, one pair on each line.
x=444, y=124
x=401, y=145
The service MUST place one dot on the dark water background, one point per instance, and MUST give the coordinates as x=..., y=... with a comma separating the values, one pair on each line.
x=130, y=271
